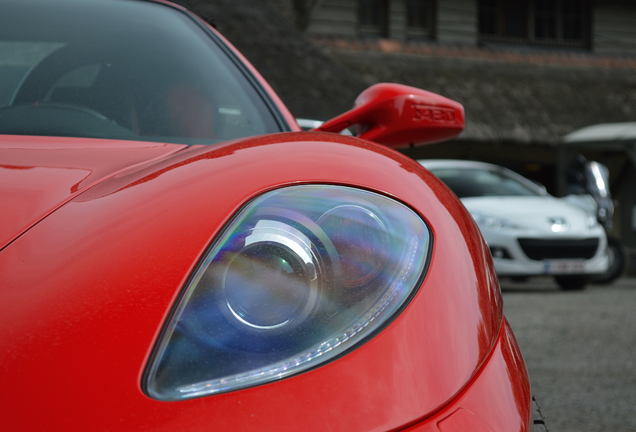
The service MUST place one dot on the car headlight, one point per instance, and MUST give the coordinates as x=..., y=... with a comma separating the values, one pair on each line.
x=301, y=275
x=494, y=222
x=591, y=222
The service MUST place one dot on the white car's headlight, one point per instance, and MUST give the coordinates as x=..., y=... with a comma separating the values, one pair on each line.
x=493, y=222
x=591, y=222
x=301, y=275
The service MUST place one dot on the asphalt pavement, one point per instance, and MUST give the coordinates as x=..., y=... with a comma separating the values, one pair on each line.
x=580, y=349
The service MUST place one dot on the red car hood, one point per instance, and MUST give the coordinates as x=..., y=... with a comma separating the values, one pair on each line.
x=39, y=174
x=88, y=288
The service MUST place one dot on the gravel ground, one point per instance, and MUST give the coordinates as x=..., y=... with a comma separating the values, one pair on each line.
x=580, y=349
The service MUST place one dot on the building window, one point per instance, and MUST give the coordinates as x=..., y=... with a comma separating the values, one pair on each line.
x=547, y=22
x=420, y=19
x=373, y=18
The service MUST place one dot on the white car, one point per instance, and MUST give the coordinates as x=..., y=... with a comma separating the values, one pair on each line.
x=529, y=232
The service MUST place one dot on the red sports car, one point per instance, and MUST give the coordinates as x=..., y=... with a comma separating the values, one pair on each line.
x=176, y=255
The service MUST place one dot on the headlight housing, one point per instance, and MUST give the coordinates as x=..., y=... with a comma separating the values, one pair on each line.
x=591, y=222
x=300, y=276
x=494, y=222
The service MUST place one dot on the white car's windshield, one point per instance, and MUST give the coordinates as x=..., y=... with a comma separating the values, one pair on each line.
x=120, y=69
x=477, y=182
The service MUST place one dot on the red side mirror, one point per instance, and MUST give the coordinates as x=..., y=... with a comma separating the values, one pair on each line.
x=397, y=115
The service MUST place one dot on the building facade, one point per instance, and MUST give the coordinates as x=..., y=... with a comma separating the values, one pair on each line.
x=528, y=72
x=602, y=28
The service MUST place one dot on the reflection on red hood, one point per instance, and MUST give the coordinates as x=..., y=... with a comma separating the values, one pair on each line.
x=39, y=174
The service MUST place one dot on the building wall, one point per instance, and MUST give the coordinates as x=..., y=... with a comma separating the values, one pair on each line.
x=625, y=228
x=337, y=18
x=613, y=23
x=397, y=20
x=457, y=21
x=614, y=28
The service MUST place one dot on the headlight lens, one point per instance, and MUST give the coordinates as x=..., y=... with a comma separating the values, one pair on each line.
x=301, y=275
x=494, y=222
x=591, y=222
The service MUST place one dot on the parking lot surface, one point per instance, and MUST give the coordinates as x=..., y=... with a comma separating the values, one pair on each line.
x=580, y=349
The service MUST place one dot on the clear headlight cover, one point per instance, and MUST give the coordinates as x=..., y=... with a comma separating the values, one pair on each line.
x=495, y=222
x=591, y=222
x=301, y=275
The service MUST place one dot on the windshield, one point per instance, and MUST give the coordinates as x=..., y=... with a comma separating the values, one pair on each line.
x=120, y=69
x=477, y=182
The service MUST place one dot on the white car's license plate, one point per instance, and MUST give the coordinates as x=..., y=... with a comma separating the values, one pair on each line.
x=563, y=266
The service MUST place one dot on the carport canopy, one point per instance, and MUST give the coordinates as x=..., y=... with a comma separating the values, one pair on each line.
x=615, y=136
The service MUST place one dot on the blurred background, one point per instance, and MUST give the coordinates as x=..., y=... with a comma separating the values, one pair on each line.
x=530, y=74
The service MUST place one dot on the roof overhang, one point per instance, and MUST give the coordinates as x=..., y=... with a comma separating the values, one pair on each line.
x=605, y=136
x=614, y=135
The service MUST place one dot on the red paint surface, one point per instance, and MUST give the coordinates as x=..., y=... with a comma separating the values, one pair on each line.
x=497, y=400
x=105, y=234
x=38, y=174
x=85, y=291
x=397, y=116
